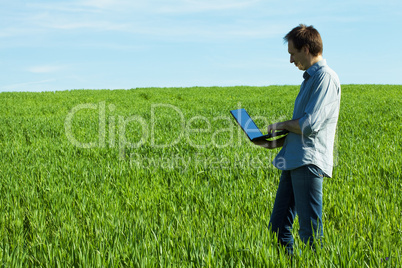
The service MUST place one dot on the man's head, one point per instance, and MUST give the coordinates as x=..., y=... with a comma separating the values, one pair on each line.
x=304, y=46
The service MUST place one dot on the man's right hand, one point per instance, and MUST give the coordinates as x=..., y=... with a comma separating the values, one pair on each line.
x=271, y=144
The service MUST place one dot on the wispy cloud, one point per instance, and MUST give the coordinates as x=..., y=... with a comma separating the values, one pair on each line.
x=149, y=18
x=28, y=86
x=67, y=17
x=114, y=4
x=196, y=6
x=41, y=69
x=163, y=6
x=85, y=24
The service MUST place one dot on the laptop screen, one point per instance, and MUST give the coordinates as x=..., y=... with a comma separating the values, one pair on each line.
x=246, y=123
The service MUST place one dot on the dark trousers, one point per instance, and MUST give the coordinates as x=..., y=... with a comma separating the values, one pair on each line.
x=299, y=192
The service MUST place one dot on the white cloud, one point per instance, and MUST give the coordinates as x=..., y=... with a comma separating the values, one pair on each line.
x=167, y=6
x=28, y=86
x=113, y=4
x=152, y=18
x=162, y=25
x=94, y=25
x=191, y=6
x=41, y=69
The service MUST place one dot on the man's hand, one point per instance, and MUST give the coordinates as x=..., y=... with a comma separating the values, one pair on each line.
x=291, y=126
x=271, y=144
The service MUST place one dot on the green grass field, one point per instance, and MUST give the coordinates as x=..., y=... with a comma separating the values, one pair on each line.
x=163, y=177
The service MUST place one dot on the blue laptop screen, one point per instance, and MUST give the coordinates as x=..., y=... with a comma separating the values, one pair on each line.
x=246, y=123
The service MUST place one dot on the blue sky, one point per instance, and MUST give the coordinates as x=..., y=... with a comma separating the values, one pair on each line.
x=121, y=44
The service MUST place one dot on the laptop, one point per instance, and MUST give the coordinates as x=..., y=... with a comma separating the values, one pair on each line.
x=250, y=128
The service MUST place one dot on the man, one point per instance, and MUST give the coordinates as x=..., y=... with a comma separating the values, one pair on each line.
x=306, y=156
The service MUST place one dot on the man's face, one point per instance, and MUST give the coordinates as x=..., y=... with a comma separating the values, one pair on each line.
x=298, y=57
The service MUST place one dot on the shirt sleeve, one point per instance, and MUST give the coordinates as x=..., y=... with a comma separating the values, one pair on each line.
x=323, y=104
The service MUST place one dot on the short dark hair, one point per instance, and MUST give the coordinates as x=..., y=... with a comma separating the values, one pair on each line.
x=305, y=36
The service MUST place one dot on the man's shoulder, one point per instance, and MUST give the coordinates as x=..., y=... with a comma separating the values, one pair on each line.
x=326, y=73
x=320, y=67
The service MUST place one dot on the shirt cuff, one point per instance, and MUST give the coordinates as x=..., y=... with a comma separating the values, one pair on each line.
x=305, y=125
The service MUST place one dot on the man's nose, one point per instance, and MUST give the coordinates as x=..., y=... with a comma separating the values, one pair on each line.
x=291, y=59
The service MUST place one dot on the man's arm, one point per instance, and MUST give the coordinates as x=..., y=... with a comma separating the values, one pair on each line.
x=290, y=125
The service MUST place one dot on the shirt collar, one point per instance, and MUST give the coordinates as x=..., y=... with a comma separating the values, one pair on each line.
x=314, y=68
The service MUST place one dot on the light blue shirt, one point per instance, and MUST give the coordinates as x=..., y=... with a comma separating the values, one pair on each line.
x=317, y=108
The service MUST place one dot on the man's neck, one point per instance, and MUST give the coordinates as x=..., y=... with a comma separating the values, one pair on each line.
x=314, y=60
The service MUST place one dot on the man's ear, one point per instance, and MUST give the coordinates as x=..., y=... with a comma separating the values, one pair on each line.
x=305, y=50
